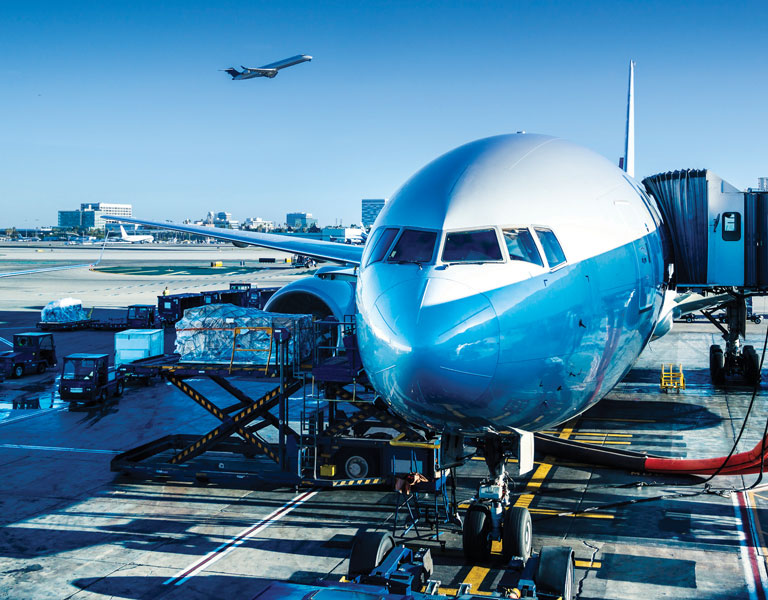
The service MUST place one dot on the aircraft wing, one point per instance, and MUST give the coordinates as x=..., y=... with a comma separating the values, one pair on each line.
x=261, y=71
x=333, y=251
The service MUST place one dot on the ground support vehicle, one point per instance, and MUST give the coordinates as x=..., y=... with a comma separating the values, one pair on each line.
x=230, y=296
x=88, y=379
x=303, y=262
x=292, y=433
x=138, y=316
x=380, y=569
x=171, y=308
x=33, y=352
x=256, y=297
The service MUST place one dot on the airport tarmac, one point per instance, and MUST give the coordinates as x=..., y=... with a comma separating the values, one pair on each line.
x=70, y=528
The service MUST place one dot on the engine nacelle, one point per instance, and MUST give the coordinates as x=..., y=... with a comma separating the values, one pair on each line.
x=240, y=244
x=330, y=292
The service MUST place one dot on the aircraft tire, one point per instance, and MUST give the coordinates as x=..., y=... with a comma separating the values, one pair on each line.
x=751, y=365
x=554, y=573
x=369, y=549
x=716, y=365
x=517, y=534
x=476, y=535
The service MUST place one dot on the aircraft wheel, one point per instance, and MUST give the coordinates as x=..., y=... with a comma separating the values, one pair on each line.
x=369, y=550
x=751, y=364
x=554, y=573
x=18, y=370
x=42, y=366
x=716, y=365
x=476, y=536
x=517, y=534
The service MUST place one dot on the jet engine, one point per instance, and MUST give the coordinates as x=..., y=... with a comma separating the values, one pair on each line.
x=330, y=292
x=241, y=244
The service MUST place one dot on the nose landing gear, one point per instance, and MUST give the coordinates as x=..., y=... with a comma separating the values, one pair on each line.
x=491, y=516
x=737, y=361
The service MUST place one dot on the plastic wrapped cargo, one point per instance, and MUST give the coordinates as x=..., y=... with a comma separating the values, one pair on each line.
x=64, y=310
x=133, y=344
x=224, y=334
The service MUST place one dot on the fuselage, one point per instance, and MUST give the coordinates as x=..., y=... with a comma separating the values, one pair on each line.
x=512, y=282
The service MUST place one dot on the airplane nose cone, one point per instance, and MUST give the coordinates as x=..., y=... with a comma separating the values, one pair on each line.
x=441, y=344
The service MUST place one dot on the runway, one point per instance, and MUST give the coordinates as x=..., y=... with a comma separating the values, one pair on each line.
x=70, y=528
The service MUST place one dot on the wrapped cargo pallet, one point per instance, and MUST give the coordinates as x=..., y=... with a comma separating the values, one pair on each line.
x=228, y=334
x=64, y=310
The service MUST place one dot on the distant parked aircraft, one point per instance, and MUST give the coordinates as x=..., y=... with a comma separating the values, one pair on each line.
x=269, y=70
x=135, y=238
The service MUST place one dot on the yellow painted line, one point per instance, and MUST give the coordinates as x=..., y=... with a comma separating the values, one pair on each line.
x=475, y=577
x=621, y=420
x=597, y=433
x=587, y=564
x=549, y=511
x=605, y=442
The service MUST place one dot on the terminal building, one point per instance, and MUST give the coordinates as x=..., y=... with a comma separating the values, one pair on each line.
x=300, y=220
x=371, y=209
x=92, y=214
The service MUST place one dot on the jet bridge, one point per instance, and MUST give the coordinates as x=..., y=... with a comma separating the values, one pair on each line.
x=719, y=233
x=719, y=236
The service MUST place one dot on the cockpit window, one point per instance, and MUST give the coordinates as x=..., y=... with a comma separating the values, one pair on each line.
x=414, y=246
x=472, y=246
x=521, y=245
x=382, y=240
x=552, y=249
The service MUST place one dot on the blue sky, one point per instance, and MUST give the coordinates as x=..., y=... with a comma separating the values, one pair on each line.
x=123, y=101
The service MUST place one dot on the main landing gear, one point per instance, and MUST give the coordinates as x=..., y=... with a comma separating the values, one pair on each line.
x=737, y=361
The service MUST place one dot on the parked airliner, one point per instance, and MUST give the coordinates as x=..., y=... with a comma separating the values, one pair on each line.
x=508, y=285
x=135, y=238
x=269, y=70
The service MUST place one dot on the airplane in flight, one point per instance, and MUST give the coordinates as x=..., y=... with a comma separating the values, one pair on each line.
x=135, y=238
x=269, y=70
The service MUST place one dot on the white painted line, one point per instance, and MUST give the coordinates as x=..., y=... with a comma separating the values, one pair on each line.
x=746, y=559
x=58, y=449
x=6, y=342
x=226, y=548
x=755, y=545
x=34, y=413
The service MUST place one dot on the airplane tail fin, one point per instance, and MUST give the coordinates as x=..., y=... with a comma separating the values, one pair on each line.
x=232, y=71
x=627, y=162
x=122, y=232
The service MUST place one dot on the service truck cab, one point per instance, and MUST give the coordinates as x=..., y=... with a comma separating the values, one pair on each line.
x=88, y=378
x=33, y=352
x=141, y=316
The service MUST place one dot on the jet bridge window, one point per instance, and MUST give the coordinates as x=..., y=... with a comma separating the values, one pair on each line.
x=380, y=242
x=552, y=249
x=414, y=246
x=731, y=227
x=472, y=246
x=521, y=246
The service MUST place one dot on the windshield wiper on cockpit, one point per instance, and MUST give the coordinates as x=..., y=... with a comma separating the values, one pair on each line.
x=409, y=262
